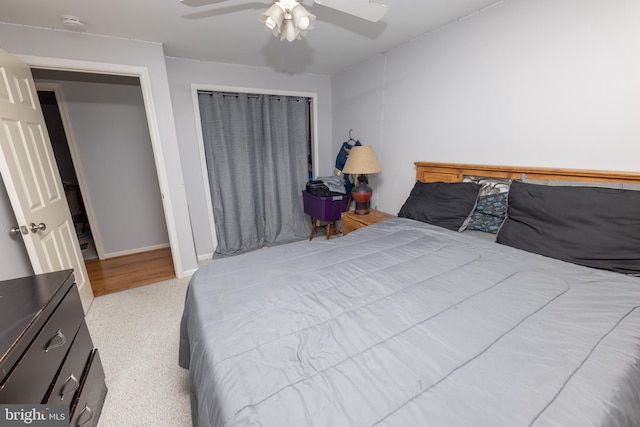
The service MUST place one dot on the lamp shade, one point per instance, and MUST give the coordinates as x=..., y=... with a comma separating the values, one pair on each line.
x=361, y=160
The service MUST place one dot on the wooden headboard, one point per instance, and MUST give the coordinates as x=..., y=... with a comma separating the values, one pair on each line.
x=455, y=172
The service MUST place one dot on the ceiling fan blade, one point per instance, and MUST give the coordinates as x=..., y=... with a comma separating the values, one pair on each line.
x=198, y=3
x=364, y=9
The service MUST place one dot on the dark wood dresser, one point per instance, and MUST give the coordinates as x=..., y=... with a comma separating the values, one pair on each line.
x=46, y=352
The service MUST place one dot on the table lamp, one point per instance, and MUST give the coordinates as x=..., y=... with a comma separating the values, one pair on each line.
x=361, y=161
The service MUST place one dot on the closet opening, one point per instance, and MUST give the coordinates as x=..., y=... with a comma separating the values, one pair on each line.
x=258, y=152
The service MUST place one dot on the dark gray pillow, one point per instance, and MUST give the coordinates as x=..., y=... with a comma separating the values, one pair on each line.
x=591, y=226
x=443, y=204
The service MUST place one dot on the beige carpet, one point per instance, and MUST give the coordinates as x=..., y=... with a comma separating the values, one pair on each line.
x=136, y=332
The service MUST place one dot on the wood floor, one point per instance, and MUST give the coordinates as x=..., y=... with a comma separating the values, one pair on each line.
x=128, y=271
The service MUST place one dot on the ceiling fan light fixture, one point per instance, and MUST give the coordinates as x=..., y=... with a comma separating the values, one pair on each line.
x=290, y=31
x=288, y=19
x=273, y=18
x=270, y=23
x=302, y=19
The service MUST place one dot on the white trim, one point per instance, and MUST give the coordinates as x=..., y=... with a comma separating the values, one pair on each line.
x=205, y=257
x=203, y=167
x=189, y=273
x=251, y=90
x=145, y=84
x=136, y=250
x=314, y=142
x=56, y=88
x=163, y=180
x=203, y=163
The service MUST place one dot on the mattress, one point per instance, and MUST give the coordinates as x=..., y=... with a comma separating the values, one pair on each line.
x=406, y=324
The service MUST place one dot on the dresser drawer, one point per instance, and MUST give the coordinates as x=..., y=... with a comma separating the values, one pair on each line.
x=67, y=382
x=33, y=374
x=86, y=409
x=26, y=304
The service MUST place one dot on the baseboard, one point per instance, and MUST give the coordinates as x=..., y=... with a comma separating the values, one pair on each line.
x=205, y=257
x=188, y=273
x=136, y=251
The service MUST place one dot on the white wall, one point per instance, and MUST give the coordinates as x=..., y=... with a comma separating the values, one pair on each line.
x=65, y=45
x=550, y=83
x=184, y=73
x=112, y=135
x=358, y=101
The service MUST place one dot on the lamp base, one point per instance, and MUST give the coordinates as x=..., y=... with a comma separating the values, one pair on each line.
x=362, y=208
x=361, y=193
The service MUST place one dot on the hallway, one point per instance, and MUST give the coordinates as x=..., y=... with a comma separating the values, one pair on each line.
x=129, y=271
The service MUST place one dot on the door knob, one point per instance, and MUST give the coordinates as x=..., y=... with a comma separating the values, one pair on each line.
x=34, y=228
x=16, y=231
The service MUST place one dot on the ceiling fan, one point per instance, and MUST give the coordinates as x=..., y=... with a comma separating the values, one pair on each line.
x=290, y=20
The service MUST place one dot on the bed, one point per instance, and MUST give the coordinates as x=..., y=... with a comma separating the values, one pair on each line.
x=420, y=320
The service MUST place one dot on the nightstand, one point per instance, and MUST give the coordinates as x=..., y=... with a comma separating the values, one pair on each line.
x=351, y=221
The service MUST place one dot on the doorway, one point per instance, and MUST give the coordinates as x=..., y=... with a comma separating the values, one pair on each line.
x=173, y=212
x=100, y=136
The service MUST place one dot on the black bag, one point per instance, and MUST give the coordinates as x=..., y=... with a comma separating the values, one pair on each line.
x=319, y=189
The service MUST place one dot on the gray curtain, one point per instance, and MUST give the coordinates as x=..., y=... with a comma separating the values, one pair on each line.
x=257, y=151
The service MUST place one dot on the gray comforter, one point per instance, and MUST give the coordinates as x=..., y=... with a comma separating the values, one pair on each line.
x=406, y=324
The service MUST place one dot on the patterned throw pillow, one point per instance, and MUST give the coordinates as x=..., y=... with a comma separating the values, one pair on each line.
x=490, y=212
x=489, y=185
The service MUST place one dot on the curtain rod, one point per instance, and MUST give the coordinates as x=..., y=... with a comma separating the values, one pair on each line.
x=256, y=95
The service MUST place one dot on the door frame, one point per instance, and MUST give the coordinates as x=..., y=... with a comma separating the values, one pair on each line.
x=142, y=73
x=56, y=88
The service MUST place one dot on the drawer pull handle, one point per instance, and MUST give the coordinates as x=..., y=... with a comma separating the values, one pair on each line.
x=88, y=411
x=60, y=343
x=74, y=386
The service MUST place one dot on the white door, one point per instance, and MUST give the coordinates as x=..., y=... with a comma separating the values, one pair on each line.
x=31, y=177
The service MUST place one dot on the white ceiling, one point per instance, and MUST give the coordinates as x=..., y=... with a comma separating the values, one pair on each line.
x=230, y=31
